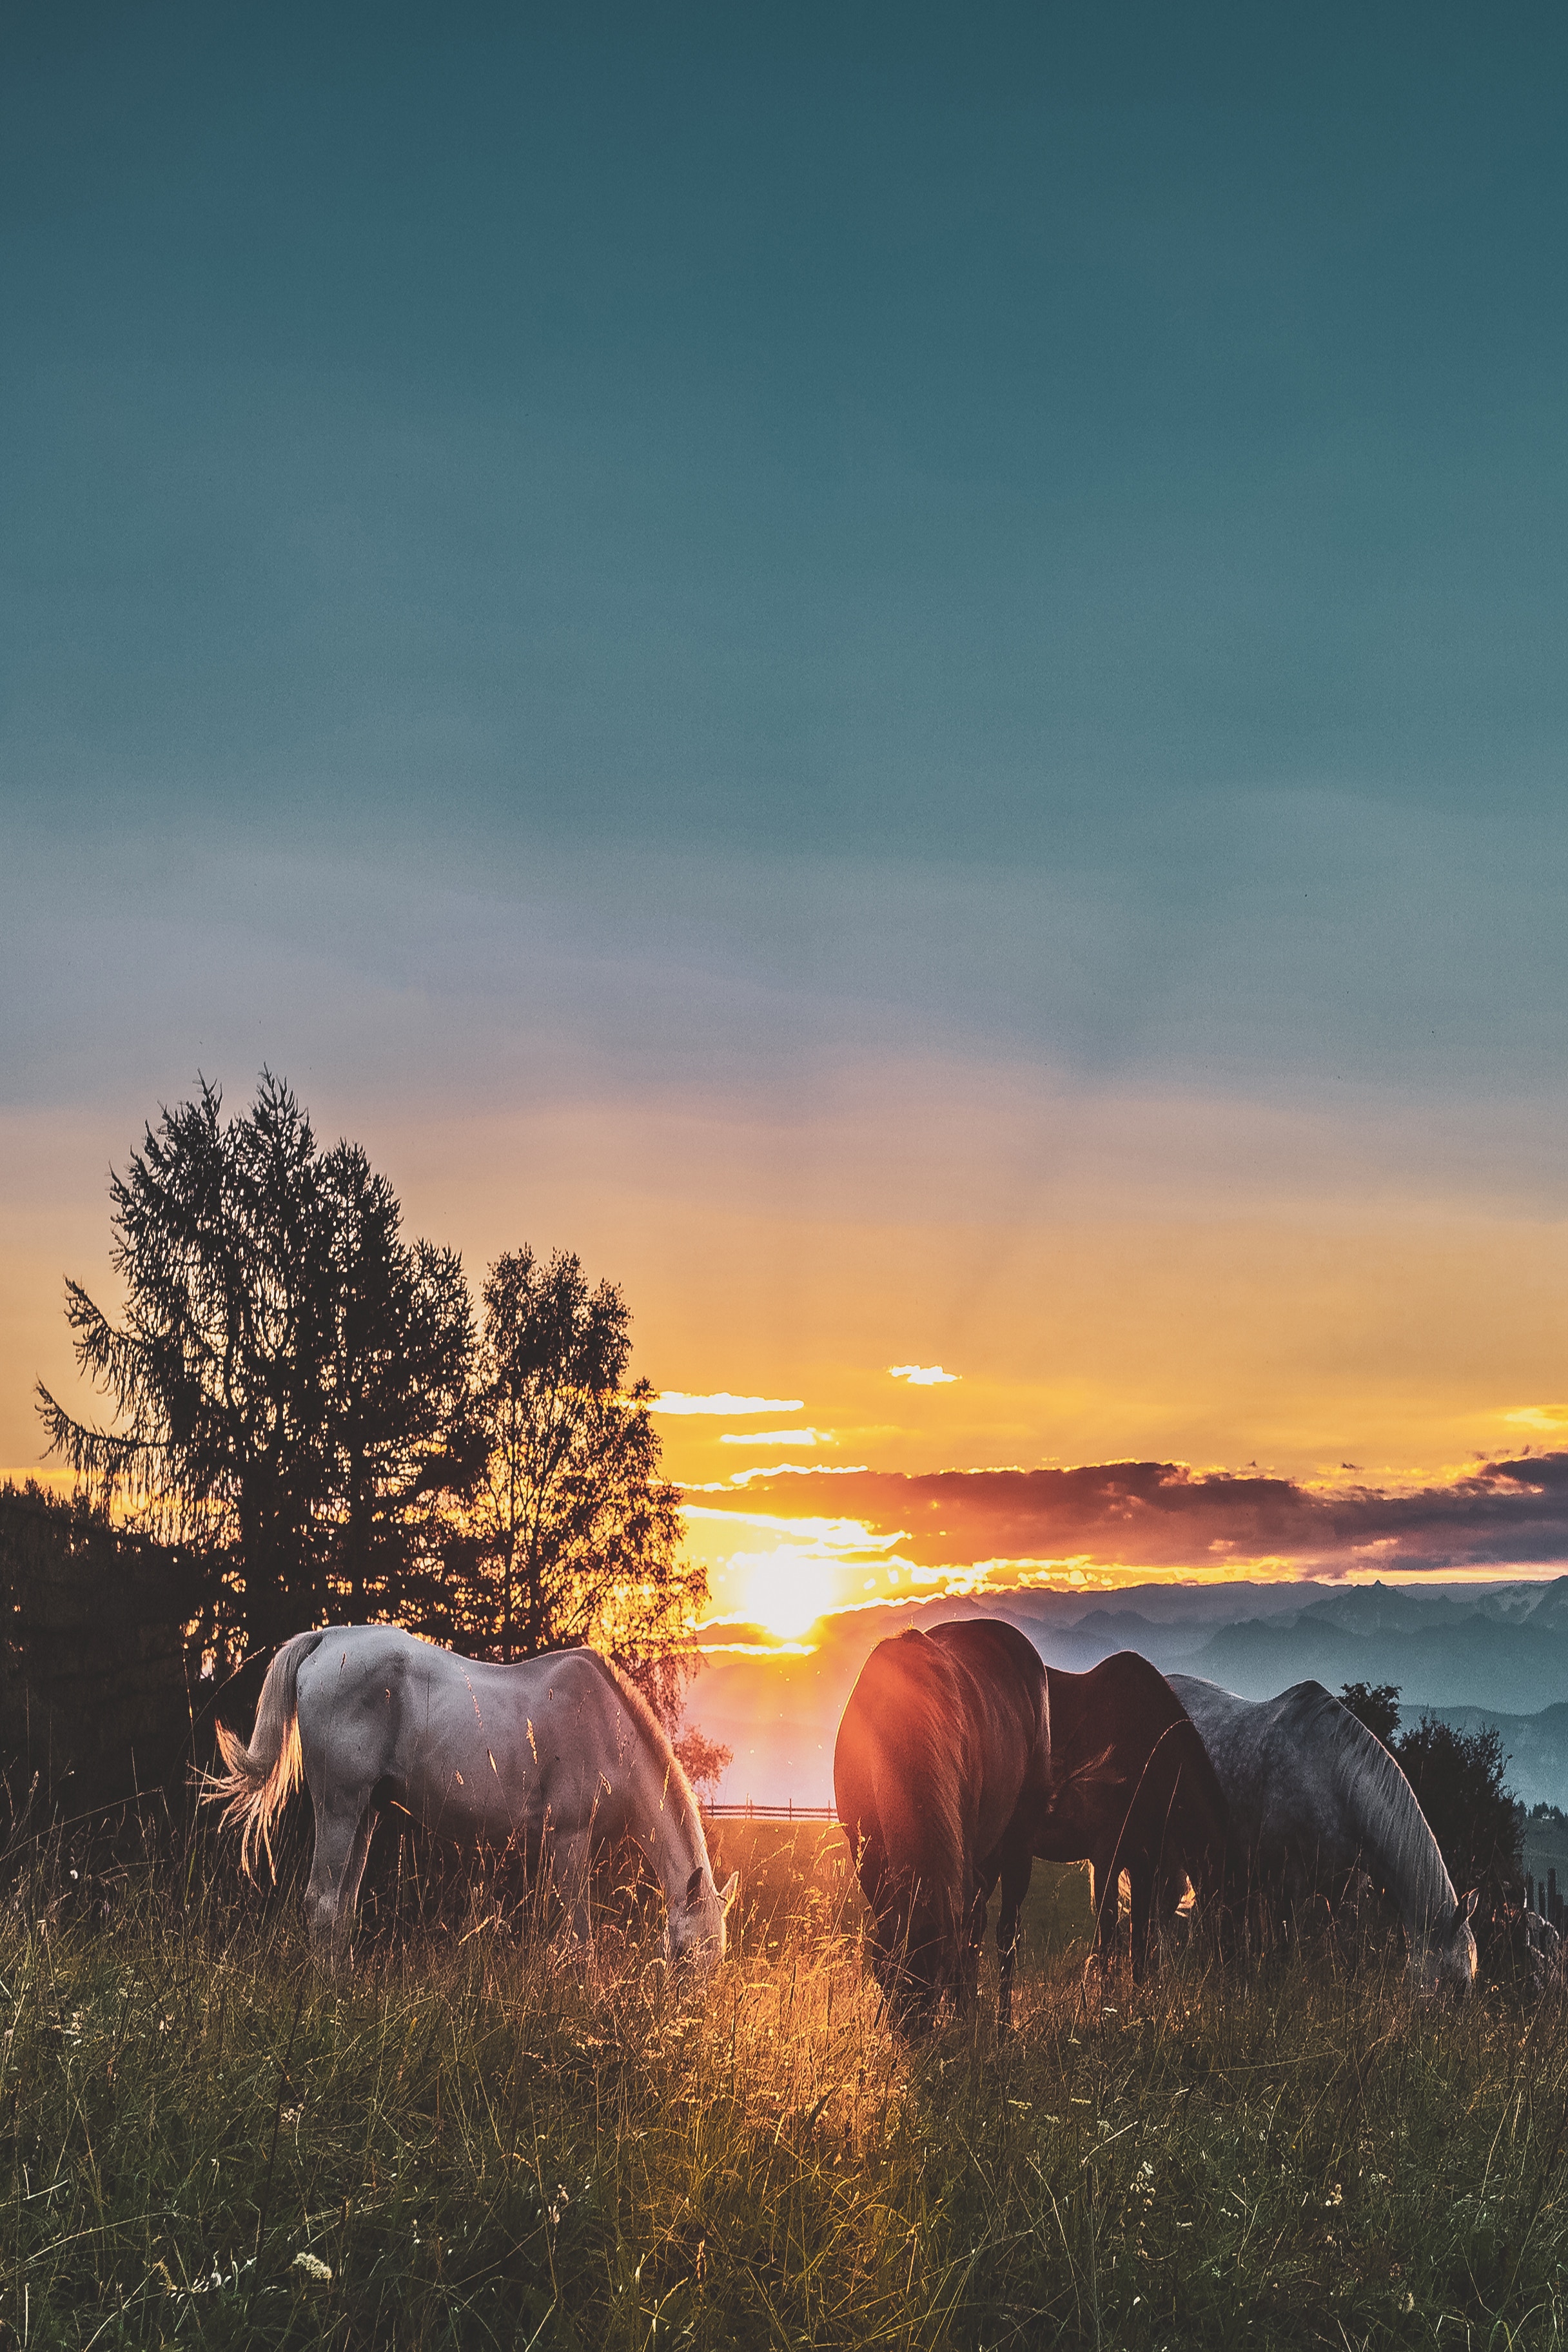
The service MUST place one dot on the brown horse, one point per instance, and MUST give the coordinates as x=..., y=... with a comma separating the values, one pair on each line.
x=941, y=1765
x=1132, y=1789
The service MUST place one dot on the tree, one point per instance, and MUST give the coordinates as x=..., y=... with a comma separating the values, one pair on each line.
x=1378, y=1705
x=289, y=1377
x=397, y=1404
x=1457, y=1776
x=704, y=1761
x=576, y=1536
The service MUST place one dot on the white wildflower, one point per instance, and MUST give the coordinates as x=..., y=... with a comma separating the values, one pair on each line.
x=1336, y=2196
x=311, y=2266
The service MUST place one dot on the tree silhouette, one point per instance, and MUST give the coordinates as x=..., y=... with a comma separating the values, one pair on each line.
x=289, y=1377
x=576, y=1536
x=1378, y=1705
x=1458, y=1777
x=398, y=1428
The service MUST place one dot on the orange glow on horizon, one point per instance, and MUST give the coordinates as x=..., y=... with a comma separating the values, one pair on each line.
x=1300, y=1294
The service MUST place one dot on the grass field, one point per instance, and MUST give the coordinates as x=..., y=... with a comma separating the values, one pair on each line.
x=472, y=2140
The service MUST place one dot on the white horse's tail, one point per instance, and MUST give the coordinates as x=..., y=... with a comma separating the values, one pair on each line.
x=261, y=1778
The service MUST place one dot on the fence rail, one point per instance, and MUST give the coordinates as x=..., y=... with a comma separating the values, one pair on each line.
x=788, y=1812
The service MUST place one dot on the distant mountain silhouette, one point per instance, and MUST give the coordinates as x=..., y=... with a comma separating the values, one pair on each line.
x=1535, y=1745
x=1498, y=1656
x=1512, y=1663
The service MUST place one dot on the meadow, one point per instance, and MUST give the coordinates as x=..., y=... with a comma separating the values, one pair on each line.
x=472, y=2139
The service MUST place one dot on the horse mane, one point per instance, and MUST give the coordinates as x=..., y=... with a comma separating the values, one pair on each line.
x=897, y=1780
x=653, y=1730
x=926, y=1781
x=1379, y=1802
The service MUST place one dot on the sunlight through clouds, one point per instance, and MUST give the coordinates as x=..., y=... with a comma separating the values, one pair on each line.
x=778, y=1437
x=787, y=1589
x=793, y=1565
x=677, y=1401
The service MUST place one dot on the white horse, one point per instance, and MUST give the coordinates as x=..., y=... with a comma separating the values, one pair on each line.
x=556, y=1755
x=1313, y=1796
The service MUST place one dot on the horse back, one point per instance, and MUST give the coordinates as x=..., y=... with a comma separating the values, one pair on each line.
x=895, y=1751
x=473, y=1749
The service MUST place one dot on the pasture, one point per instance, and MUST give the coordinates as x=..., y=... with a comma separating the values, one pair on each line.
x=470, y=2140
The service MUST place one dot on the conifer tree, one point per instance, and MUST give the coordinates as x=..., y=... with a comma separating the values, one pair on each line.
x=290, y=1375
x=577, y=1535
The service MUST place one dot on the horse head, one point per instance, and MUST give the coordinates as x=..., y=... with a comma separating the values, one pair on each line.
x=694, y=1934
x=1442, y=1959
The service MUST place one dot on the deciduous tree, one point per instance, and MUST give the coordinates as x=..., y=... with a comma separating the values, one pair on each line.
x=1378, y=1705
x=1457, y=1776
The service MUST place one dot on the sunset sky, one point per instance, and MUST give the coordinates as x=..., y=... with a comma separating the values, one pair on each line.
x=900, y=672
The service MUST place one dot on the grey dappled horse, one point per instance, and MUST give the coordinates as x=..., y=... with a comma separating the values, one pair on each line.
x=555, y=1755
x=1314, y=1796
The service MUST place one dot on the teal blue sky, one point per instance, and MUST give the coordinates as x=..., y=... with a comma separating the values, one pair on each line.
x=710, y=554
x=1018, y=437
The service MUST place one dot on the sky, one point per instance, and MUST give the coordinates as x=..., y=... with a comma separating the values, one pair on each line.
x=899, y=672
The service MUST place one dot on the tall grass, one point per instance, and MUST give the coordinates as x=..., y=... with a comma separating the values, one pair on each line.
x=475, y=2139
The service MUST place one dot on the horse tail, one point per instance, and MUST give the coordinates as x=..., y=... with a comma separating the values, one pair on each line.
x=260, y=1780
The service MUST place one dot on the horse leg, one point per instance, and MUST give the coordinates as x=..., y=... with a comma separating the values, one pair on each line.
x=1017, y=1864
x=971, y=1940
x=1107, y=1907
x=1140, y=1880
x=343, y=1840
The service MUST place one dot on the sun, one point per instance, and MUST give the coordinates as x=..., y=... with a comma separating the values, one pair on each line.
x=787, y=1590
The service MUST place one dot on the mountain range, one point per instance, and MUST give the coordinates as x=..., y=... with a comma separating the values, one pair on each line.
x=1498, y=1655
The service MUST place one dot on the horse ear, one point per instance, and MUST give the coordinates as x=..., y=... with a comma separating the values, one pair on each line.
x=694, y=1886
x=730, y=1889
x=1465, y=1909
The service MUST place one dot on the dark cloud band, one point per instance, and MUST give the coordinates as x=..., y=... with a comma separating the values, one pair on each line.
x=1162, y=1514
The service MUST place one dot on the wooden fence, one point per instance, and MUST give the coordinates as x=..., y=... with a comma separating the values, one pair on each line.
x=753, y=1812
x=1541, y=1896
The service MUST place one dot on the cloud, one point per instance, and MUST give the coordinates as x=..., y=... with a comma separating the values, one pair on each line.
x=829, y=1537
x=921, y=1376
x=1162, y=1514
x=778, y=1437
x=677, y=1401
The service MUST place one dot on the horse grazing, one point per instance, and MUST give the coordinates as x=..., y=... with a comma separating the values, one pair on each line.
x=1132, y=1789
x=556, y=1755
x=1315, y=1796
x=941, y=1760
